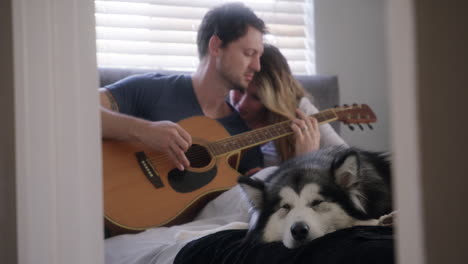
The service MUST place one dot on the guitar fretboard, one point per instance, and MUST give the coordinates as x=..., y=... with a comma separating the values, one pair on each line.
x=263, y=135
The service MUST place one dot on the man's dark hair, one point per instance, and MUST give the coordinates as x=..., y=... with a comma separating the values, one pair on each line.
x=229, y=22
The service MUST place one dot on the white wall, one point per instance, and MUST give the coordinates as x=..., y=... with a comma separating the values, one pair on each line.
x=351, y=43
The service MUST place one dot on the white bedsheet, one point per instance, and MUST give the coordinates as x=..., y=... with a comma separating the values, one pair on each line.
x=160, y=245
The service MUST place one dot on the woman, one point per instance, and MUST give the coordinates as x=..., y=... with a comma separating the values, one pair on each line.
x=273, y=96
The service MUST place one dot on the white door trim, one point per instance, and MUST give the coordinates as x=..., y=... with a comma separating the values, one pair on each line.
x=410, y=246
x=59, y=187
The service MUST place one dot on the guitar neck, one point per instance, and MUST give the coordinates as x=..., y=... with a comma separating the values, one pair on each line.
x=262, y=135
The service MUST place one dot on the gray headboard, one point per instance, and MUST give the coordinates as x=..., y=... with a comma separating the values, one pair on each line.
x=323, y=88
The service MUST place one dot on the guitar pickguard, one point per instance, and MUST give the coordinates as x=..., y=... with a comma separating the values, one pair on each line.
x=188, y=181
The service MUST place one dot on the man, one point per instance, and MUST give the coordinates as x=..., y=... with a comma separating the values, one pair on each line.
x=146, y=108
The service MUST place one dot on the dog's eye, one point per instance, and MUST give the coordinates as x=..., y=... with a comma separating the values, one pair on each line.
x=286, y=207
x=315, y=203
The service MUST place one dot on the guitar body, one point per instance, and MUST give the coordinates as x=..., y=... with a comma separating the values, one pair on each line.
x=142, y=188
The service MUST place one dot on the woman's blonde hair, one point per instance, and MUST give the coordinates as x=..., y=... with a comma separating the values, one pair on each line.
x=280, y=93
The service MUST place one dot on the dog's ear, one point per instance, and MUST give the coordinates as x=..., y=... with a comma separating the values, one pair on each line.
x=253, y=190
x=345, y=170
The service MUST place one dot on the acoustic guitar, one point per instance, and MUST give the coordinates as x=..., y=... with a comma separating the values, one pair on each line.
x=143, y=189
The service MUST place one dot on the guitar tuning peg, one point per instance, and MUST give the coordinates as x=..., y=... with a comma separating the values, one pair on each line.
x=370, y=126
x=359, y=125
x=351, y=127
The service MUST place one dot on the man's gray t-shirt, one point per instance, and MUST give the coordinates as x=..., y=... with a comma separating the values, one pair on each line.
x=157, y=97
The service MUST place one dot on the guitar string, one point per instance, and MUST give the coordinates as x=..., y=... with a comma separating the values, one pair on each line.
x=163, y=157
x=202, y=151
x=229, y=144
x=226, y=145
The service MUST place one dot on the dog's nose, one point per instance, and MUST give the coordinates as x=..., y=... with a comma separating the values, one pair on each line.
x=300, y=231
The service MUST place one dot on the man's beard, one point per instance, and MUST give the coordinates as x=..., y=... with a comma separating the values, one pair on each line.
x=233, y=82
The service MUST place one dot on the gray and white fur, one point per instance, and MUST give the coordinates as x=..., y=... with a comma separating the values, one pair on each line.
x=318, y=193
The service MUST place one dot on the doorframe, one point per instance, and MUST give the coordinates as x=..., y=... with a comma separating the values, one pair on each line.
x=407, y=182
x=58, y=154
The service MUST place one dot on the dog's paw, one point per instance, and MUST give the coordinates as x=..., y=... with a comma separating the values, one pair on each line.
x=370, y=222
x=387, y=220
x=187, y=235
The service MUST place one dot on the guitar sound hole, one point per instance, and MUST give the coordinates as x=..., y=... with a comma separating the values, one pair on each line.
x=198, y=156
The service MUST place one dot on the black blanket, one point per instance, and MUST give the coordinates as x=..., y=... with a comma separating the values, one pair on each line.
x=360, y=244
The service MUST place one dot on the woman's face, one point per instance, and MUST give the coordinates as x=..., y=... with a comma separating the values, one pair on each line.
x=248, y=104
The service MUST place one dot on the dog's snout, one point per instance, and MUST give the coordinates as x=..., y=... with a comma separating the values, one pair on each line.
x=299, y=231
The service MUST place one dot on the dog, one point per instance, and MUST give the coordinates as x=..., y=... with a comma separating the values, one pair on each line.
x=318, y=193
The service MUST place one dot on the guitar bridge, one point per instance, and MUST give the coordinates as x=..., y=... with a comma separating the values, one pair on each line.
x=148, y=170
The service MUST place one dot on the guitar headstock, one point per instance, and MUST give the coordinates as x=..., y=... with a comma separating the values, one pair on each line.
x=356, y=114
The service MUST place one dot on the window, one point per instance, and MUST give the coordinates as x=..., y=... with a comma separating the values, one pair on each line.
x=161, y=34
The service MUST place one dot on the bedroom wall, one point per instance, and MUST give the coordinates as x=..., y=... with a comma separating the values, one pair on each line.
x=8, y=240
x=351, y=43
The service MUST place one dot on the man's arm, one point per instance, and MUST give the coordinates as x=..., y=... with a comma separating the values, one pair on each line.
x=164, y=136
x=114, y=124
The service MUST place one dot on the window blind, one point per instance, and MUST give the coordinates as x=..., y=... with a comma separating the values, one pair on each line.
x=161, y=34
